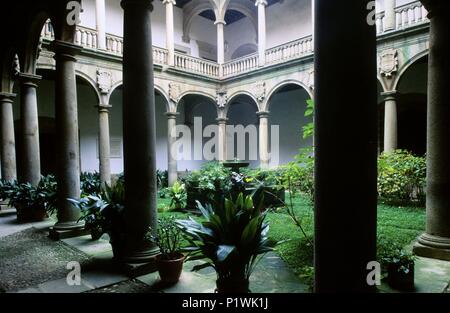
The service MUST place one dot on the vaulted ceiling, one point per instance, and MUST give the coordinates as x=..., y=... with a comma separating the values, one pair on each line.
x=231, y=16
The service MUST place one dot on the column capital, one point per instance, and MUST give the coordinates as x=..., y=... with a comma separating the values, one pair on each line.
x=263, y=114
x=173, y=2
x=172, y=115
x=222, y=120
x=220, y=22
x=261, y=2
x=390, y=95
x=147, y=4
x=7, y=96
x=65, y=49
x=29, y=79
x=103, y=108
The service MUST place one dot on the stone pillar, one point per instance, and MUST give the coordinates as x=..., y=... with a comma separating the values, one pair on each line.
x=436, y=242
x=172, y=155
x=220, y=45
x=100, y=13
x=139, y=130
x=68, y=146
x=390, y=121
x=104, y=143
x=170, y=37
x=261, y=4
x=342, y=124
x=222, y=136
x=389, y=15
x=264, y=139
x=7, y=138
x=30, y=163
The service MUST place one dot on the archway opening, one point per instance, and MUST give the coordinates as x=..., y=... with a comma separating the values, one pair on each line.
x=243, y=143
x=287, y=107
x=412, y=108
x=197, y=113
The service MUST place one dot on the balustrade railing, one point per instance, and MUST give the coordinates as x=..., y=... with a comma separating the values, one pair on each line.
x=406, y=16
x=196, y=66
x=241, y=65
x=289, y=51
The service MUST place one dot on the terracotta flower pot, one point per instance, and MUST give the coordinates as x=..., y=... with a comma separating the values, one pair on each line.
x=170, y=270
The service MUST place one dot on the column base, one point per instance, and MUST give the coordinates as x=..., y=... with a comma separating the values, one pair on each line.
x=134, y=270
x=58, y=234
x=67, y=230
x=433, y=247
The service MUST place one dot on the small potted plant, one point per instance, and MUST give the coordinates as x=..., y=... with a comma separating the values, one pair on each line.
x=170, y=260
x=231, y=240
x=178, y=196
x=399, y=266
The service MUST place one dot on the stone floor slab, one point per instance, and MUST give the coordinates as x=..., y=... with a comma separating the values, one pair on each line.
x=61, y=286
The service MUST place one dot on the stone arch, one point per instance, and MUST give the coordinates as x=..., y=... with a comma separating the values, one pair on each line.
x=31, y=45
x=90, y=82
x=158, y=89
x=192, y=92
x=238, y=94
x=190, y=11
x=266, y=106
x=6, y=67
x=407, y=65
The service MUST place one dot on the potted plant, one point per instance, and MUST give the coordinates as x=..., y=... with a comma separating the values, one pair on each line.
x=398, y=266
x=232, y=240
x=170, y=260
x=177, y=194
x=102, y=214
x=29, y=202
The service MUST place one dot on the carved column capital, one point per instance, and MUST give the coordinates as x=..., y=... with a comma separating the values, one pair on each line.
x=173, y=2
x=261, y=2
x=263, y=114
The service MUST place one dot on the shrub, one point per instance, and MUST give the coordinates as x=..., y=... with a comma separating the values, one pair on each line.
x=401, y=177
x=90, y=183
x=168, y=238
x=178, y=196
x=162, y=179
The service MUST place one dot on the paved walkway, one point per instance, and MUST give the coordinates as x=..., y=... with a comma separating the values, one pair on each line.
x=271, y=276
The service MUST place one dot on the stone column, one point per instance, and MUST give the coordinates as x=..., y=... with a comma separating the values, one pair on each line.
x=222, y=136
x=436, y=242
x=170, y=39
x=139, y=130
x=172, y=155
x=261, y=4
x=68, y=146
x=342, y=124
x=104, y=143
x=264, y=139
x=390, y=121
x=30, y=163
x=7, y=138
x=100, y=13
x=389, y=15
x=220, y=45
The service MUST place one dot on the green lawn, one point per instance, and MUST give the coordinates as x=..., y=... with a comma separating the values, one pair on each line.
x=399, y=224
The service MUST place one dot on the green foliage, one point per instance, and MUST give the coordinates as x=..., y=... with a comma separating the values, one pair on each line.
x=401, y=177
x=211, y=180
x=90, y=183
x=168, y=238
x=390, y=252
x=308, y=129
x=103, y=213
x=162, y=179
x=178, y=196
x=231, y=239
x=29, y=197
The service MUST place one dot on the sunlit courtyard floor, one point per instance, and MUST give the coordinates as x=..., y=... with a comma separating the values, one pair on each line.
x=99, y=275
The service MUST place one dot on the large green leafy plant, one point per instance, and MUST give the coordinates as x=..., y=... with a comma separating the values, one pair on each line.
x=401, y=177
x=168, y=238
x=231, y=240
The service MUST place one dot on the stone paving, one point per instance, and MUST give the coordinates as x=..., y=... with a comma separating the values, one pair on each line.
x=272, y=275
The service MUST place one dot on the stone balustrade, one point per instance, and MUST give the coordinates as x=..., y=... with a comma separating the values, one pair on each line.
x=406, y=16
x=196, y=66
x=241, y=65
x=289, y=51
